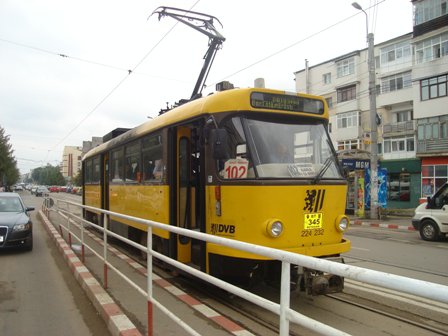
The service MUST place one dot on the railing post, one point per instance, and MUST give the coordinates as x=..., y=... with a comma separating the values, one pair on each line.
x=149, y=280
x=285, y=293
x=82, y=243
x=68, y=230
x=105, y=221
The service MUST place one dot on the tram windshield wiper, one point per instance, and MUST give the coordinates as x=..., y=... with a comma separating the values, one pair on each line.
x=324, y=168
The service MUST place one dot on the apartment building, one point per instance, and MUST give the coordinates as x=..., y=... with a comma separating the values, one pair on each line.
x=430, y=79
x=412, y=107
x=71, y=162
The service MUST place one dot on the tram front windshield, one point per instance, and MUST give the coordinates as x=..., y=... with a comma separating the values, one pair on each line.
x=272, y=149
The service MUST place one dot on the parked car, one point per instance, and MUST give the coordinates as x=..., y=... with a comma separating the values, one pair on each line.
x=16, y=228
x=42, y=191
x=17, y=188
x=33, y=190
x=54, y=189
x=431, y=218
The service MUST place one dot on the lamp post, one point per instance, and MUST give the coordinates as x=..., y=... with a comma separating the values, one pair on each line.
x=373, y=124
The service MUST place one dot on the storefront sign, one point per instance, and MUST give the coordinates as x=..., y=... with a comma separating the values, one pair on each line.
x=354, y=164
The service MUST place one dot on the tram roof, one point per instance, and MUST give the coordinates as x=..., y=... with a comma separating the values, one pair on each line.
x=218, y=102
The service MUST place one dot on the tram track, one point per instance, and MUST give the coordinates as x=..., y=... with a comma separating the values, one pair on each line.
x=389, y=314
x=420, y=270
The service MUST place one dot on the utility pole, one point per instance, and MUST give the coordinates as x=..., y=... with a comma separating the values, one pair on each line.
x=373, y=124
x=373, y=132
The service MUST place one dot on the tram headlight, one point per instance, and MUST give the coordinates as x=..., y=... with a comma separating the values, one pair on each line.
x=342, y=223
x=274, y=228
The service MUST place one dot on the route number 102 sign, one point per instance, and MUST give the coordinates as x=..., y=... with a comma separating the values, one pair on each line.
x=236, y=169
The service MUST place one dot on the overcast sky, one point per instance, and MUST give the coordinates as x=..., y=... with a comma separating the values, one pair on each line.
x=64, y=63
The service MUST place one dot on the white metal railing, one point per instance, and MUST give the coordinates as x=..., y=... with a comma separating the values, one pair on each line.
x=398, y=283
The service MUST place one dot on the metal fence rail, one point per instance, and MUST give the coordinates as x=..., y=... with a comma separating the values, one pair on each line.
x=286, y=315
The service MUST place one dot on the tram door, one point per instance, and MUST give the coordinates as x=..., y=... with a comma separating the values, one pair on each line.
x=188, y=189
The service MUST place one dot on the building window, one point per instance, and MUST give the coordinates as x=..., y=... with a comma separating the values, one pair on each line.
x=346, y=93
x=399, y=187
x=345, y=67
x=434, y=87
x=432, y=128
x=329, y=102
x=326, y=78
x=396, y=53
x=433, y=177
x=396, y=82
x=432, y=48
x=403, y=116
x=425, y=11
x=348, y=119
x=349, y=144
x=396, y=145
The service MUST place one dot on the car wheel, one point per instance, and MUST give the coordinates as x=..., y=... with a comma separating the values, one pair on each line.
x=429, y=230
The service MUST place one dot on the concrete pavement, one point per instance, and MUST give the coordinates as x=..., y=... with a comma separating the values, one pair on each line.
x=390, y=222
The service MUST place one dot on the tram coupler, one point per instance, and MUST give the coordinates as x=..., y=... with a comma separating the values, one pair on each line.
x=315, y=282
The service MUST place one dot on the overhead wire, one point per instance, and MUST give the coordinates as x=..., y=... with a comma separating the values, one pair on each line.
x=121, y=81
x=288, y=47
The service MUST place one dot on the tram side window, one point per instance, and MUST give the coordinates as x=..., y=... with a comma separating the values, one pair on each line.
x=88, y=171
x=95, y=170
x=132, y=162
x=152, y=158
x=116, y=166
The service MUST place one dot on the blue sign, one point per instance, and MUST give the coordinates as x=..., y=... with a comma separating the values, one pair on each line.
x=354, y=164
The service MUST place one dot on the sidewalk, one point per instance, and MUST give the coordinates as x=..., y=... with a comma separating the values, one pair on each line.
x=390, y=222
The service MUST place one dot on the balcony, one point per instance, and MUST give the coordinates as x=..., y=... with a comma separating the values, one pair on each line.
x=399, y=128
x=431, y=147
x=428, y=26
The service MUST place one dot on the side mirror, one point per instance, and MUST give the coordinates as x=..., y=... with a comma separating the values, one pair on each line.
x=219, y=140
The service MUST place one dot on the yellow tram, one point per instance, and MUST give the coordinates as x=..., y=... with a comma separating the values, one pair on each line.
x=255, y=165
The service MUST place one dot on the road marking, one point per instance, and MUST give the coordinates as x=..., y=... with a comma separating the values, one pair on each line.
x=399, y=240
x=360, y=248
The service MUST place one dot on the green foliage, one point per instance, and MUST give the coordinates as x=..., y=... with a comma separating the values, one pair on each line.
x=9, y=173
x=77, y=180
x=49, y=175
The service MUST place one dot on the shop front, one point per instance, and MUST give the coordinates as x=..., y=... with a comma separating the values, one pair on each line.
x=403, y=183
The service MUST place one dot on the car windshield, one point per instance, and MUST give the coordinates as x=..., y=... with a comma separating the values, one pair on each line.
x=274, y=149
x=10, y=204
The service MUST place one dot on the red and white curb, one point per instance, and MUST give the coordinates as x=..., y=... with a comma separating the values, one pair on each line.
x=194, y=303
x=384, y=226
x=117, y=322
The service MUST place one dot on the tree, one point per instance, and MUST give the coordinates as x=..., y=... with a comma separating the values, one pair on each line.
x=49, y=175
x=9, y=173
x=77, y=180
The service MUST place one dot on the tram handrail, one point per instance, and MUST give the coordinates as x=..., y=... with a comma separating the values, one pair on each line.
x=425, y=289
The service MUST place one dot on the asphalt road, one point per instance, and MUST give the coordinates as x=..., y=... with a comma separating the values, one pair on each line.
x=38, y=293
x=398, y=252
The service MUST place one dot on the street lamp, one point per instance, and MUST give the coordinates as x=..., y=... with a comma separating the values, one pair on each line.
x=373, y=125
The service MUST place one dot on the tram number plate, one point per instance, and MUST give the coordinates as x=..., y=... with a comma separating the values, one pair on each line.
x=313, y=221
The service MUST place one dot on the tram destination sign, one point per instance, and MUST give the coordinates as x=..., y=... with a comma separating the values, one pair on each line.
x=282, y=102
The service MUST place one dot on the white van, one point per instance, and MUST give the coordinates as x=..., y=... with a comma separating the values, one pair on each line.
x=431, y=217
